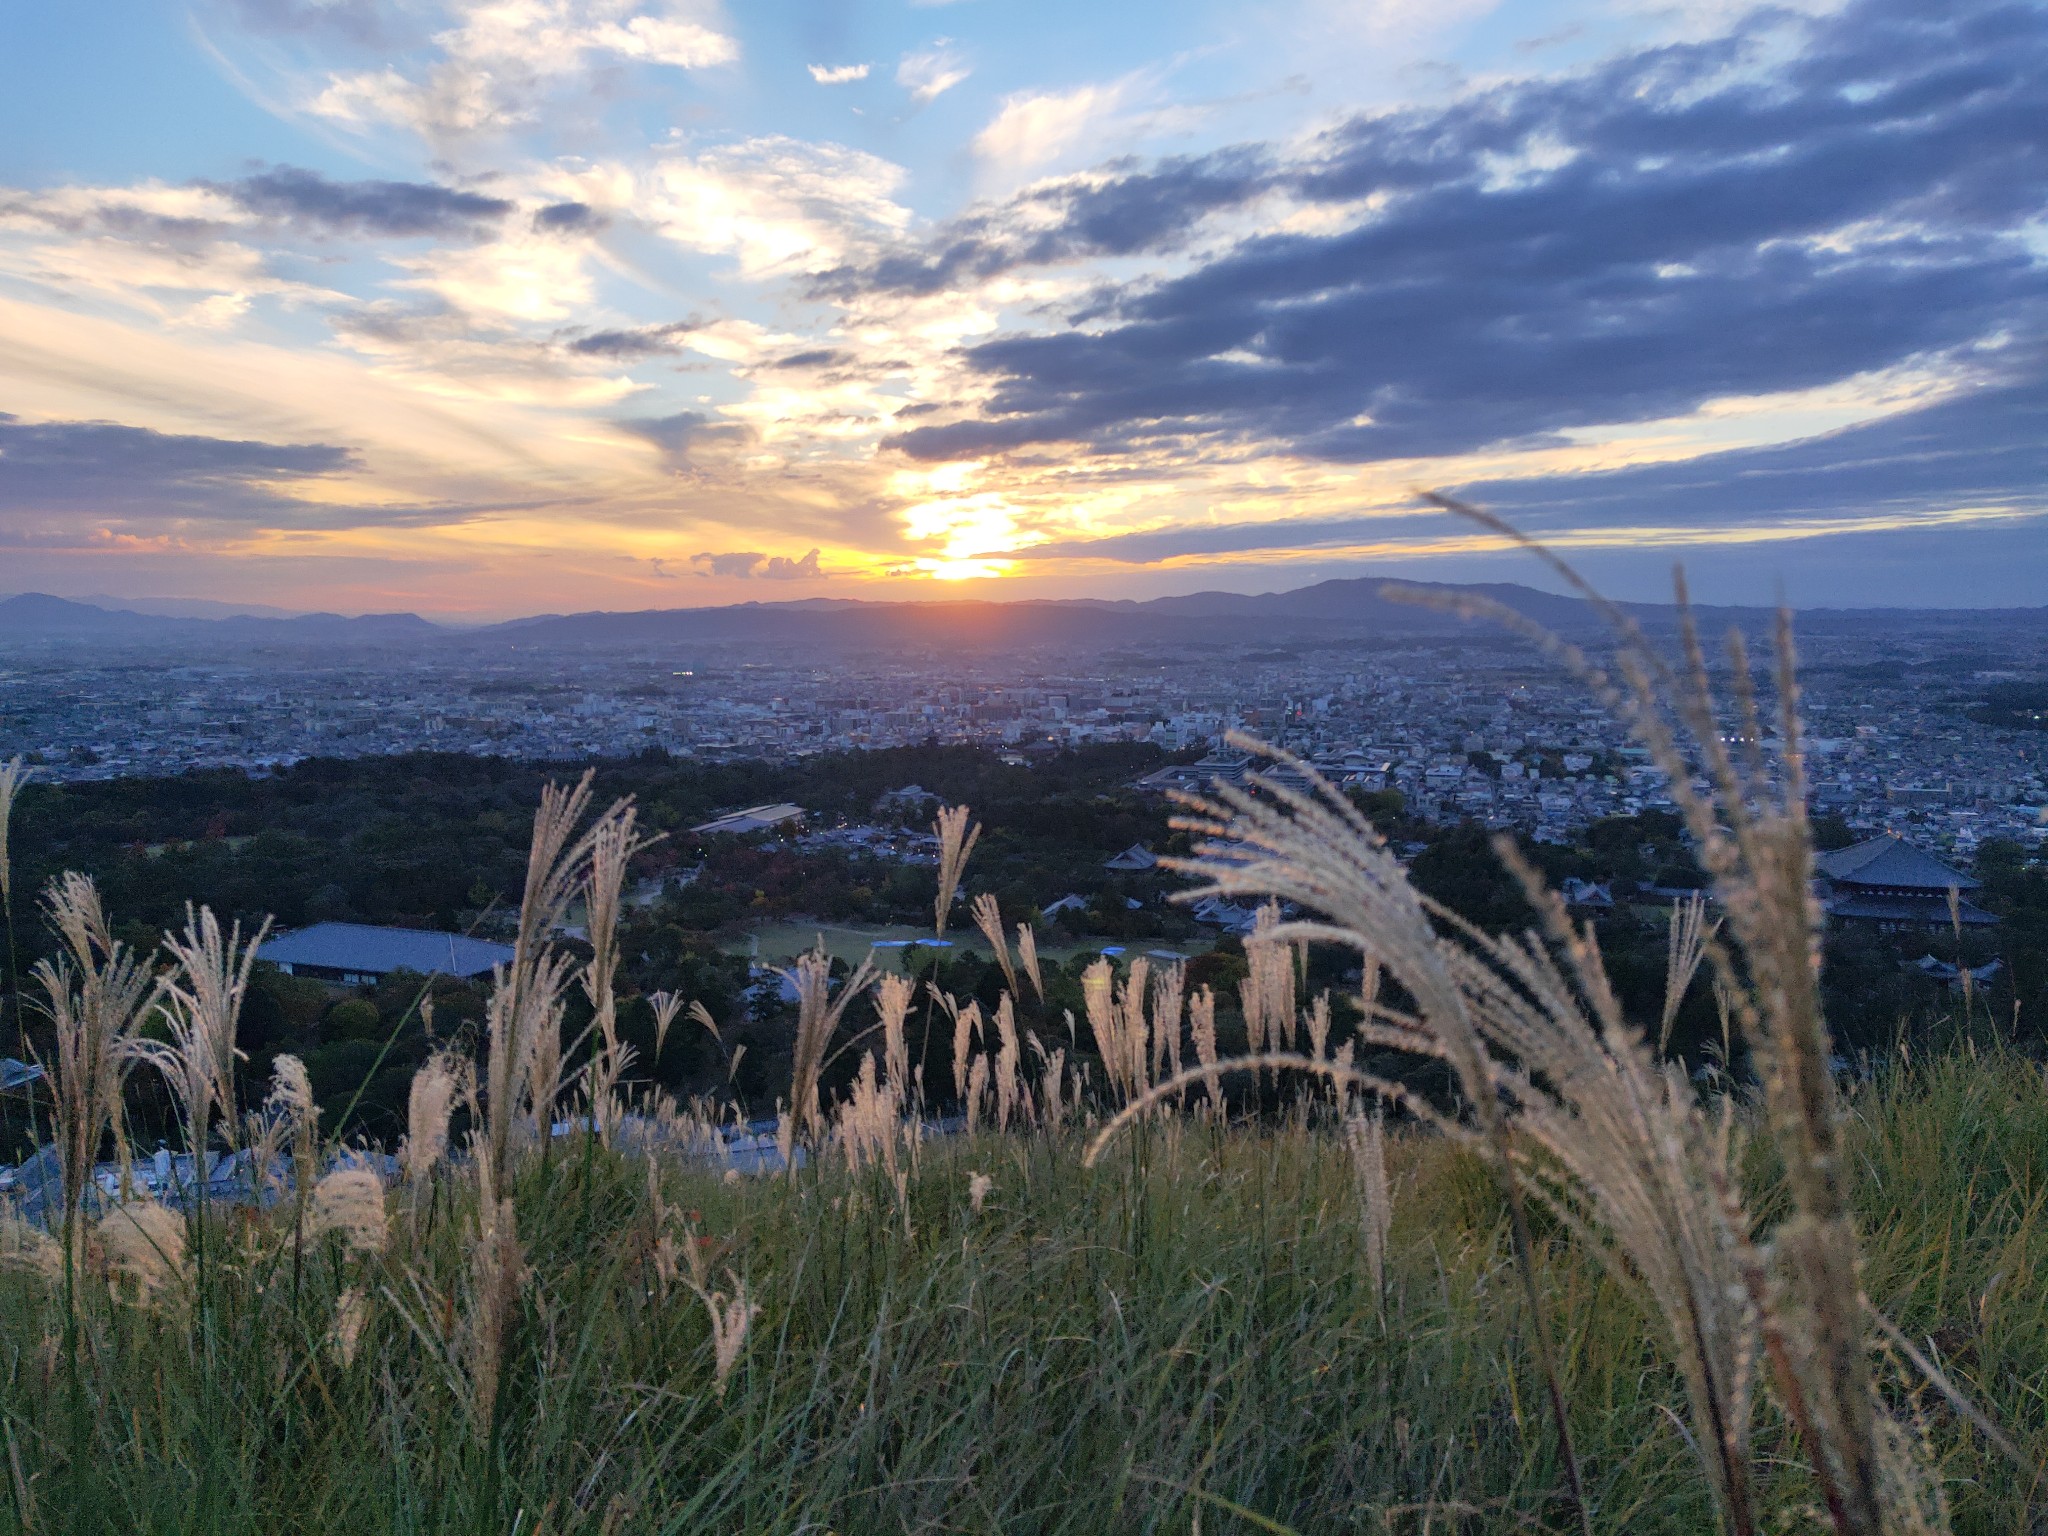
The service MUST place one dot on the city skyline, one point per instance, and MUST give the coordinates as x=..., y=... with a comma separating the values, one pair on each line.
x=552, y=305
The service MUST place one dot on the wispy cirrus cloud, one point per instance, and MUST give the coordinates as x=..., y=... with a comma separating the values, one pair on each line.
x=491, y=71
x=929, y=73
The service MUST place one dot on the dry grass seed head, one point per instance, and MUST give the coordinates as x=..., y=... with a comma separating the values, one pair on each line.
x=819, y=1011
x=96, y=993
x=437, y=1088
x=13, y=774
x=956, y=842
x=1027, y=956
x=349, y=1204
x=142, y=1247
x=893, y=994
x=27, y=1249
x=989, y=919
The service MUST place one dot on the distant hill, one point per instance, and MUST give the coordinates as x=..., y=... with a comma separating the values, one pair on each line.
x=39, y=616
x=1353, y=608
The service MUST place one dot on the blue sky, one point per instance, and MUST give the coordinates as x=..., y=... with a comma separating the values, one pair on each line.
x=545, y=304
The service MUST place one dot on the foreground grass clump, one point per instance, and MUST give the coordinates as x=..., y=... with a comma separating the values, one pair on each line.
x=1181, y=1335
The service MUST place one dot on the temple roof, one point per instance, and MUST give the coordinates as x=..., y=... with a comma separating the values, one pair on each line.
x=1893, y=863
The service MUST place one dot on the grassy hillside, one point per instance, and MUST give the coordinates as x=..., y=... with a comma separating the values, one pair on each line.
x=1180, y=1338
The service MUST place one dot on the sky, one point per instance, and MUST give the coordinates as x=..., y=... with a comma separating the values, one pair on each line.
x=490, y=307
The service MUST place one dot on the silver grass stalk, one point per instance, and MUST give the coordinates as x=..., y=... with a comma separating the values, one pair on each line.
x=1753, y=841
x=818, y=1016
x=613, y=842
x=1317, y=1021
x=989, y=919
x=1268, y=994
x=437, y=1088
x=523, y=1072
x=977, y=1092
x=730, y=1314
x=892, y=1009
x=26, y=1248
x=956, y=842
x=1009, y=1063
x=666, y=1006
x=867, y=1123
x=497, y=1275
x=1685, y=946
x=1633, y=1166
x=202, y=1004
x=291, y=1114
x=1366, y=1137
x=96, y=993
x=1027, y=956
x=1202, y=1027
x=1168, y=987
x=966, y=1028
x=13, y=774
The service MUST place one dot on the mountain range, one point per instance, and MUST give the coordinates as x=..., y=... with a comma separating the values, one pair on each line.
x=1351, y=608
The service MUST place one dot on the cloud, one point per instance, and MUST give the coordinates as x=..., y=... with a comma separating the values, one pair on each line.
x=838, y=74
x=778, y=204
x=1121, y=209
x=929, y=74
x=499, y=63
x=397, y=208
x=1679, y=226
x=105, y=469
x=677, y=435
x=747, y=564
x=1032, y=128
x=522, y=276
x=640, y=341
x=569, y=219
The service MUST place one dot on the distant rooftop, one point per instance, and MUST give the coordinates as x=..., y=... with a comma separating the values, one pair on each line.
x=364, y=951
x=1891, y=863
x=755, y=818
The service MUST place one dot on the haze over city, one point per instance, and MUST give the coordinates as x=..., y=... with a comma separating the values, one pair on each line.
x=488, y=309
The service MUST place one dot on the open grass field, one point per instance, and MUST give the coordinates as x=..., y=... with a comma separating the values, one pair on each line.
x=1183, y=1337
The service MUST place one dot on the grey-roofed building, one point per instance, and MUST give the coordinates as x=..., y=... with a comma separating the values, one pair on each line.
x=356, y=954
x=1135, y=857
x=755, y=818
x=1886, y=880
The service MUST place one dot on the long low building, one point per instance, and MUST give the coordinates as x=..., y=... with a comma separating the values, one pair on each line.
x=358, y=954
x=755, y=818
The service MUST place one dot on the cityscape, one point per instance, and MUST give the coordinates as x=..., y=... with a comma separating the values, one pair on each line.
x=1475, y=726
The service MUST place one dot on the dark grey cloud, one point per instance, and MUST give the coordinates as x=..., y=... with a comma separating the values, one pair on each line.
x=1680, y=224
x=569, y=219
x=747, y=564
x=640, y=341
x=105, y=469
x=1123, y=210
x=678, y=433
x=392, y=208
